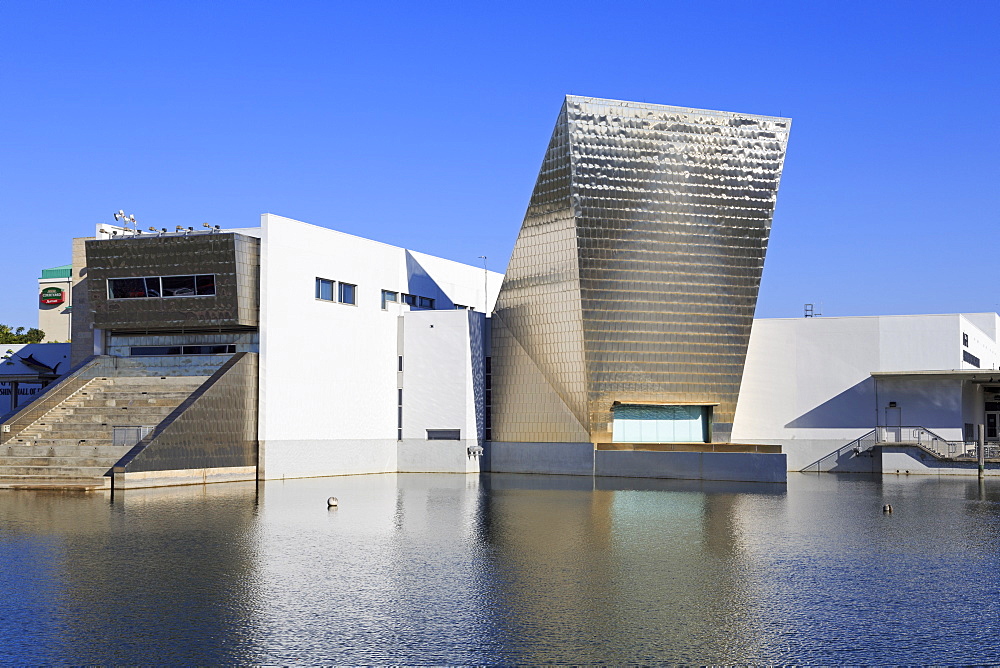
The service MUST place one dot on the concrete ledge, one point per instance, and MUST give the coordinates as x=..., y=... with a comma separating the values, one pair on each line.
x=558, y=458
x=319, y=458
x=735, y=467
x=913, y=460
x=415, y=455
x=142, y=479
x=692, y=447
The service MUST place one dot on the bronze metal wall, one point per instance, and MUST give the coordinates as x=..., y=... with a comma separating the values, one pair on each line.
x=635, y=275
x=216, y=427
x=233, y=258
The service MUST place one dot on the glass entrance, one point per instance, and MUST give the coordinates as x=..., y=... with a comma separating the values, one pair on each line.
x=992, y=425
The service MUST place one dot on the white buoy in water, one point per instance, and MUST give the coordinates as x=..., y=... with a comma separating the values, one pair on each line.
x=887, y=508
x=331, y=502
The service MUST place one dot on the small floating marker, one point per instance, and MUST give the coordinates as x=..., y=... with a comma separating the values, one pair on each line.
x=887, y=509
x=332, y=502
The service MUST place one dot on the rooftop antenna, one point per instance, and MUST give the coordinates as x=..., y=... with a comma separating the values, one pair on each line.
x=486, y=294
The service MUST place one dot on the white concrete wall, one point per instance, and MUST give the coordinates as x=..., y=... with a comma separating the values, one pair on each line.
x=438, y=391
x=328, y=375
x=807, y=382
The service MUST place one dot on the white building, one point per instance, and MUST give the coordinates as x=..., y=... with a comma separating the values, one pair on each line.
x=332, y=373
x=283, y=350
x=55, y=303
x=814, y=385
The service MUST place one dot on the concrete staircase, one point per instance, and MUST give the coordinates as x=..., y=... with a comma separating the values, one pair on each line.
x=72, y=447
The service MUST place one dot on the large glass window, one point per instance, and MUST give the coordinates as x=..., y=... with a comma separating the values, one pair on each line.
x=178, y=286
x=161, y=286
x=207, y=349
x=129, y=288
x=661, y=424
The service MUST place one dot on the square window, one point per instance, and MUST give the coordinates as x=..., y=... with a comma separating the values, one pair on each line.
x=389, y=296
x=345, y=293
x=324, y=289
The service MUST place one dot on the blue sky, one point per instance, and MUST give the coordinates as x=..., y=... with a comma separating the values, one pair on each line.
x=423, y=125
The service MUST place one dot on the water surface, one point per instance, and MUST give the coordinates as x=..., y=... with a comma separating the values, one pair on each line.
x=505, y=569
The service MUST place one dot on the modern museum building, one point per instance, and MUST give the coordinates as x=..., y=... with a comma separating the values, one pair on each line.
x=615, y=343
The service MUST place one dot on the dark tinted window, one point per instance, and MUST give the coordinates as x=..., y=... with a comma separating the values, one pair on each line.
x=178, y=286
x=205, y=285
x=132, y=288
x=444, y=434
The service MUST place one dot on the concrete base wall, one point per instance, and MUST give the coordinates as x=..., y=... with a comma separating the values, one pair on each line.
x=423, y=456
x=184, y=477
x=727, y=466
x=582, y=459
x=558, y=458
x=914, y=461
x=801, y=452
x=318, y=458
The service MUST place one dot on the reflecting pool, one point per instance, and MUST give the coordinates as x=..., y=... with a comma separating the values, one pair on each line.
x=505, y=569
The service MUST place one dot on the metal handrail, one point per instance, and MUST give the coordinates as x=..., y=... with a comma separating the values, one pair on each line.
x=859, y=445
x=925, y=438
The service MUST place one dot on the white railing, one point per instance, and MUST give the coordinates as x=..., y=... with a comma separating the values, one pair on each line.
x=927, y=439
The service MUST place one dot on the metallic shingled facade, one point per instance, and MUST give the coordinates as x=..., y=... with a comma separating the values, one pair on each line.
x=635, y=275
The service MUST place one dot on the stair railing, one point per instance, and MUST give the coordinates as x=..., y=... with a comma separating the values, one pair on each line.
x=855, y=448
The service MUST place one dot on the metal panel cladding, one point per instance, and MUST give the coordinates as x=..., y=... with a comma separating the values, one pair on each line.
x=635, y=275
x=234, y=260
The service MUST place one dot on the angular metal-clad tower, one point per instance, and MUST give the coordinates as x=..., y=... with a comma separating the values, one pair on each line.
x=633, y=281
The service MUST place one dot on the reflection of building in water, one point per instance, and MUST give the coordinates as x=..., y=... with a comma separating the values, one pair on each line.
x=125, y=582
x=623, y=575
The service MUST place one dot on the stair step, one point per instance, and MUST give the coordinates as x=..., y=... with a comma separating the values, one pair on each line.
x=113, y=451
x=55, y=484
x=105, y=461
x=55, y=471
x=61, y=442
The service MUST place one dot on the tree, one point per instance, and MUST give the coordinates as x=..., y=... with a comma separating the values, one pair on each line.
x=8, y=335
